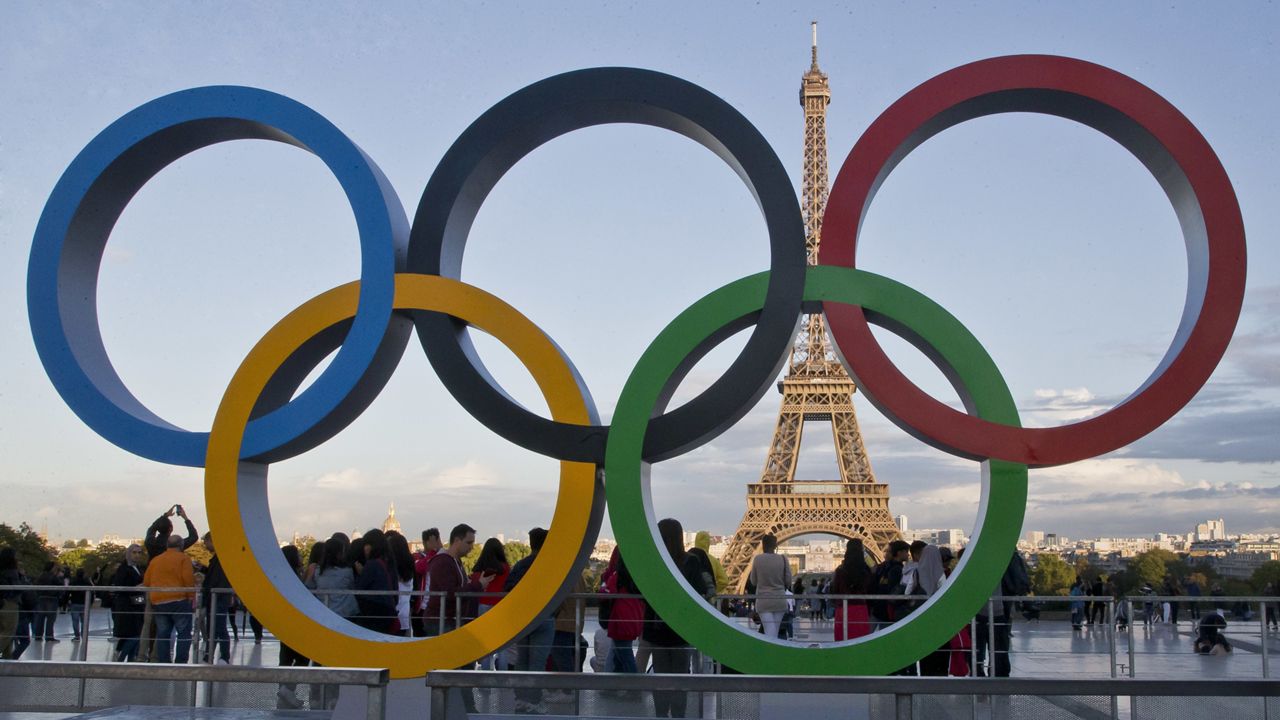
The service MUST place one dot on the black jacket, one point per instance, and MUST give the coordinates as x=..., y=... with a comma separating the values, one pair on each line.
x=123, y=600
x=658, y=632
x=156, y=543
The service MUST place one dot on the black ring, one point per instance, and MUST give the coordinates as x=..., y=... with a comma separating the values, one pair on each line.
x=513, y=128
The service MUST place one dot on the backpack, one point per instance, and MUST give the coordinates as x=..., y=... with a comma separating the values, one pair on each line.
x=1016, y=580
x=882, y=584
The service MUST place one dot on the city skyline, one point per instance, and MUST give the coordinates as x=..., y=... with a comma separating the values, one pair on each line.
x=1034, y=233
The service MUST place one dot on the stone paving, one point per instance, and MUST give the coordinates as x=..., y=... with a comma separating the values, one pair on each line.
x=1049, y=648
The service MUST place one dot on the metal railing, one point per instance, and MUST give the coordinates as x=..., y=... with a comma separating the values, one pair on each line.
x=1115, y=639
x=374, y=680
x=904, y=691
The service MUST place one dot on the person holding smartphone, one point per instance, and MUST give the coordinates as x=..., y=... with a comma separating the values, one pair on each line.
x=158, y=534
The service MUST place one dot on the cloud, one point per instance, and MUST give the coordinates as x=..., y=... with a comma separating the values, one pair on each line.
x=347, y=479
x=1240, y=436
x=1055, y=407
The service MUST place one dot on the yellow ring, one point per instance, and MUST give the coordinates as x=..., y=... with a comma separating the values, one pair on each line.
x=240, y=518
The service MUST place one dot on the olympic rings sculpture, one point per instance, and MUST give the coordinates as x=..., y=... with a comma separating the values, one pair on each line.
x=409, y=280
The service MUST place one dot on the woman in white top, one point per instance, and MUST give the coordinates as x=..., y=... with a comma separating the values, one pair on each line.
x=771, y=576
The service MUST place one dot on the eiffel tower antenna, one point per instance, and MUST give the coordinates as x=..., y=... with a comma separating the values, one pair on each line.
x=815, y=388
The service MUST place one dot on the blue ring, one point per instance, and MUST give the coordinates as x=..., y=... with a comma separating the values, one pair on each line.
x=86, y=203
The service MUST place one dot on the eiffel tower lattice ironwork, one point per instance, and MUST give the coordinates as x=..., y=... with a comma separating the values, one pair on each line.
x=815, y=388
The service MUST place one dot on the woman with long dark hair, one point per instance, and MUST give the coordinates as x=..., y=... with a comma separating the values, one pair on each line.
x=852, y=577
x=333, y=576
x=670, y=653
x=492, y=561
x=377, y=609
x=401, y=562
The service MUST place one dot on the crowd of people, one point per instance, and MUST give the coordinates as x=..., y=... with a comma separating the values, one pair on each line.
x=159, y=597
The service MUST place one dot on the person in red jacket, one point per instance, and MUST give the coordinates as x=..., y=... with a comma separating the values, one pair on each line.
x=493, y=559
x=430, y=546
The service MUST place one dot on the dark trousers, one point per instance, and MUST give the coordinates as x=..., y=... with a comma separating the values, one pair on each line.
x=468, y=695
x=563, y=649
x=46, y=614
x=671, y=660
x=1000, y=656
x=22, y=634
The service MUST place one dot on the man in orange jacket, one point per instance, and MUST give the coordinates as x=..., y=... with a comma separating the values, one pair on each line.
x=172, y=608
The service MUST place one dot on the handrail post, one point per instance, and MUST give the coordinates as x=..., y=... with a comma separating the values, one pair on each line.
x=1111, y=642
x=439, y=702
x=902, y=703
x=1262, y=625
x=1132, y=652
x=991, y=638
x=376, y=703
x=84, y=626
x=1111, y=634
x=973, y=647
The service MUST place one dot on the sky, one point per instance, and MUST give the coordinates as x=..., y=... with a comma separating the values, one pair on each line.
x=1051, y=243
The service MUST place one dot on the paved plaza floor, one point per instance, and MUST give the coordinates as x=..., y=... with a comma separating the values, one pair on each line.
x=1046, y=649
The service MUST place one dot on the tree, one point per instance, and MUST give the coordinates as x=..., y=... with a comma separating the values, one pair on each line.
x=1085, y=570
x=1150, y=567
x=68, y=543
x=1052, y=576
x=33, y=553
x=1268, y=572
x=90, y=559
x=516, y=551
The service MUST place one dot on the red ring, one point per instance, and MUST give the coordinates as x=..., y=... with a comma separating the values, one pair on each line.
x=1149, y=127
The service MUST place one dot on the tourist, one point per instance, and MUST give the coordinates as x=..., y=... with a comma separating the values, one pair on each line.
x=928, y=578
x=566, y=654
x=374, y=580
x=157, y=539
x=1097, y=607
x=702, y=541
x=216, y=594
x=1148, y=605
x=887, y=580
x=128, y=608
x=287, y=693
x=993, y=619
x=77, y=598
x=1078, y=590
x=492, y=561
x=1209, y=638
x=10, y=599
x=47, y=598
x=626, y=614
x=171, y=609
x=27, y=604
x=446, y=578
x=334, y=577
x=852, y=577
x=1172, y=589
x=771, y=575
x=671, y=654
x=533, y=649
x=430, y=546
x=402, y=567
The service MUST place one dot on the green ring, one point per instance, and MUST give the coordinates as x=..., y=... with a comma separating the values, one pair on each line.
x=1004, y=485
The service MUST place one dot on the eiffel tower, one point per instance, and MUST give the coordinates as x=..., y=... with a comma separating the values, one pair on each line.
x=815, y=388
